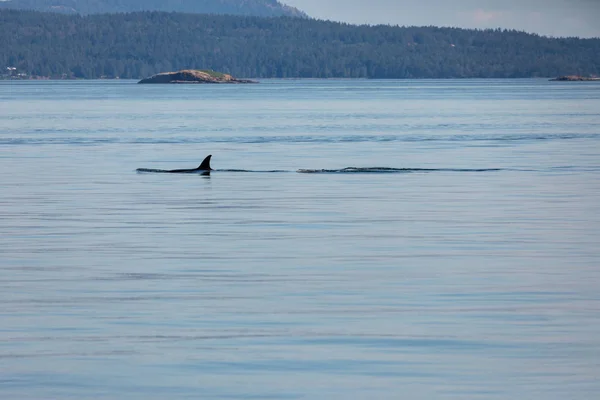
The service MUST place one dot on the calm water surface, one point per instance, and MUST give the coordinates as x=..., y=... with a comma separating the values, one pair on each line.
x=477, y=278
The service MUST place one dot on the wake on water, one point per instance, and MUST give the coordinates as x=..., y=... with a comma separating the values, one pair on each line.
x=386, y=170
x=347, y=170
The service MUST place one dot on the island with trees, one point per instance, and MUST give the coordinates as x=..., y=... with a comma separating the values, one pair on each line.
x=575, y=78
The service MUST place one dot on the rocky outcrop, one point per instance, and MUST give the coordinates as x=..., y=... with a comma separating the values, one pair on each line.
x=574, y=78
x=194, y=76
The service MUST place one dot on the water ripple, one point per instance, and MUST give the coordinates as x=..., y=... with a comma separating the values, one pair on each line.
x=83, y=140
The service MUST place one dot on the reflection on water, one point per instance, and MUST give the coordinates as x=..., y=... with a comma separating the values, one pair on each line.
x=474, y=277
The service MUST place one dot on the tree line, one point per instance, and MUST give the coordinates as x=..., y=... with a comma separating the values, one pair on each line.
x=137, y=45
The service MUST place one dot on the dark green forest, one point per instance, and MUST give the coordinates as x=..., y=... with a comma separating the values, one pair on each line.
x=137, y=45
x=262, y=8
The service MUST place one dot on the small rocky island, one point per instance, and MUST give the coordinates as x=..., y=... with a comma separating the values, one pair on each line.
x=574, y=78
x=194, y=76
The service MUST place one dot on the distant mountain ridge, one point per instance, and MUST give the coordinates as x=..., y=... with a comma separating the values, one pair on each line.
x=259, y=8
x=137, y=45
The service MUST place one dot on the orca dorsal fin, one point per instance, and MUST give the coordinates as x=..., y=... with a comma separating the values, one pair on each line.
x=205, y=166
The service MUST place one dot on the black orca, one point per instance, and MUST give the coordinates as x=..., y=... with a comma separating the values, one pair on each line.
x=203, y=169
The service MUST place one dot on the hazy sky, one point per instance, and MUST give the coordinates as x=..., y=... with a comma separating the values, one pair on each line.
x=546, y=17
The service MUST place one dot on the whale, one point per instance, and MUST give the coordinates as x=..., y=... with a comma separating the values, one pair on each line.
x=203, y=169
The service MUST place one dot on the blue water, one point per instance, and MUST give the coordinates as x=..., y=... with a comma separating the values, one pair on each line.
x=471, y=271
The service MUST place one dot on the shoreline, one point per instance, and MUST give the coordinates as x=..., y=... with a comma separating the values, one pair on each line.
x=37, y=79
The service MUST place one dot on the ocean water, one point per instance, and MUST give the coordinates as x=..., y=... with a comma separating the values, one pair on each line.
x=445, y=244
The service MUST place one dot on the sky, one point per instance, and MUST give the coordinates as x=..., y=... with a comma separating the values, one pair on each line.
x=558, y=18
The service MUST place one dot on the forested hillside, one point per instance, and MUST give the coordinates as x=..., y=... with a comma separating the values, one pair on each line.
x=140, y=44
x=261, y=8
